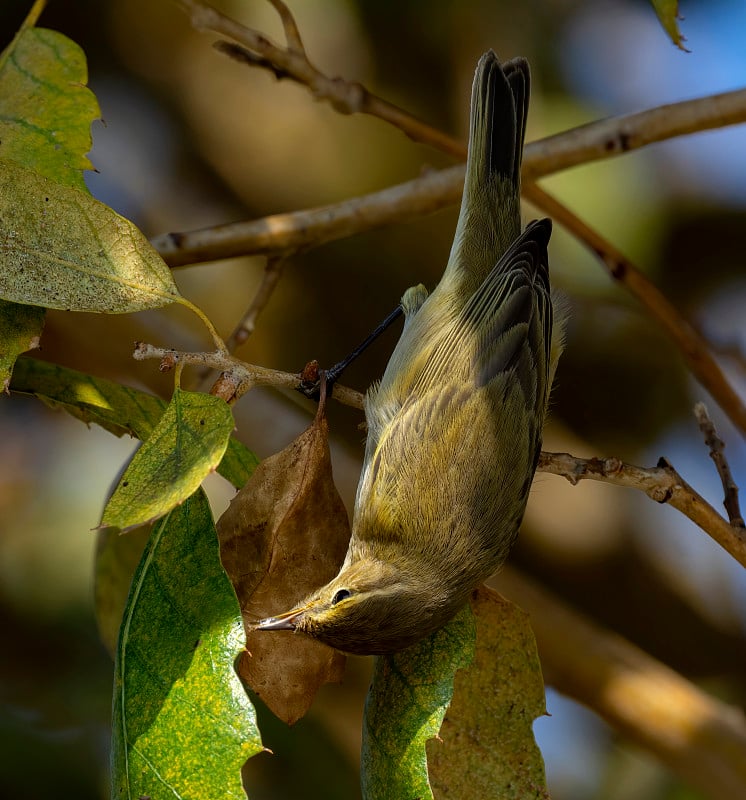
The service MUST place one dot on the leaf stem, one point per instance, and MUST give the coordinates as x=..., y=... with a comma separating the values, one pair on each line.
x=27, y=23
x=217, y=340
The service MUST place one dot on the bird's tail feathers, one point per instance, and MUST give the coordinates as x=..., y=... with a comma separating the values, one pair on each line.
x=499, y=102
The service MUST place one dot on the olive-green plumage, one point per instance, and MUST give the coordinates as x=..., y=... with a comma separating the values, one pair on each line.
x=454, y=427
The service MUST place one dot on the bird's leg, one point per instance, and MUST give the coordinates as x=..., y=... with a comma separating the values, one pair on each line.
x=310, y=388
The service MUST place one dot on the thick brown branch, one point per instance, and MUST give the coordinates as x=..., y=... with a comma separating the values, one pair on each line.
x=662, y=484
x=617, y=135
x=289, y=233
x=717, y=454
x=700, y=738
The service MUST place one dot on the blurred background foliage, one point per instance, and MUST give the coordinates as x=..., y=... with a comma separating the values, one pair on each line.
x=191, y=139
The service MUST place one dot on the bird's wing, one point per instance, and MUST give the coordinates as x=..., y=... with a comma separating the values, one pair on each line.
x=506, y=326
x=492, y=360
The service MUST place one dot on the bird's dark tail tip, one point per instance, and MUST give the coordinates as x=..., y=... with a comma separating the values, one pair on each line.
x=499, y=103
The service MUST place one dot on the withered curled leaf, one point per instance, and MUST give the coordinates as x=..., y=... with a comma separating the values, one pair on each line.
x=284, y=535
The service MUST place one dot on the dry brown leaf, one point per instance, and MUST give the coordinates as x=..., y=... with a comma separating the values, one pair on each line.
x=284, y=535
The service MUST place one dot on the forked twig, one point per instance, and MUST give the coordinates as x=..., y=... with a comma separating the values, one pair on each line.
x=661, y=483
x=272, y=274
x=717, y=447
x=292, y=63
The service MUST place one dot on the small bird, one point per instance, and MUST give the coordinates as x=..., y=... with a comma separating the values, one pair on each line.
x=455, y=424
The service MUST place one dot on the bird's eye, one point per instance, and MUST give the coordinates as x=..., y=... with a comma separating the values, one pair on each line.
x=340, y=595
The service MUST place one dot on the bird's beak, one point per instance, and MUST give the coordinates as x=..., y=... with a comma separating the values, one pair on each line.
x=283, y=622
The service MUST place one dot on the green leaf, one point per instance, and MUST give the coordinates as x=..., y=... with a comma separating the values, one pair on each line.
x=460, y=703
x=668, y=15
x=405, y=707
x=120, y=410
x=20, y=329
x=46, y=109
x=63, y=249
x=116, y=560
x=116, y=408
x=488, y=731
x=46, y=112
x=182, y=725
x=183, y=449
x=238, y=463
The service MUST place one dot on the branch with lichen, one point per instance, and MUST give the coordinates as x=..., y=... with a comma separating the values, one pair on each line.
x=236, y=376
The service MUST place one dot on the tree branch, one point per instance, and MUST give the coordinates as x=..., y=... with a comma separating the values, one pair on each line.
x=347, y=97
x=283, y=234
x=236, y=377
x=662, y=484
x=617, y=135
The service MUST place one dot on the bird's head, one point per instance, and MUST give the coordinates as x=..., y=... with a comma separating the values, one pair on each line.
x=371, y=607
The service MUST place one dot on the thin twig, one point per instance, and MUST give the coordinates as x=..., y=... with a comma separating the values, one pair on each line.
x=270, y=279
x=347, y=97
x=236, y=373
x=289, y=25
x=662, y=484
x=717, y=454
x=700, y=738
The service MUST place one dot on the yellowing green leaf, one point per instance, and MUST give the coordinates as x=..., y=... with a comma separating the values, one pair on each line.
x=182, y=724
x=46, y=109
x=668, y=15
x=62, y=249
x=184, y=447
x=20, y=327
x=406, y=704
x=120, y=410
x=456, y=710
x=488, y=733
x=45, y=124
x=116, y=408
